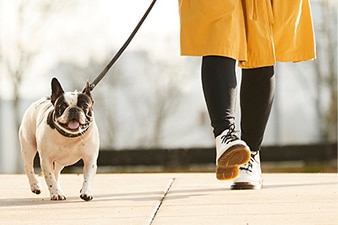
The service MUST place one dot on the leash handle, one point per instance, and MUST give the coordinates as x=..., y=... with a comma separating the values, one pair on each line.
x=121, y=50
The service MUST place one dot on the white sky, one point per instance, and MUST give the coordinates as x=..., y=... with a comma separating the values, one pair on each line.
x=84, y=30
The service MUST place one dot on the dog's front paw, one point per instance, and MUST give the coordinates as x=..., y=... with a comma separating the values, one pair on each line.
x=86, y=195
x=56, y=197
x=36, y=188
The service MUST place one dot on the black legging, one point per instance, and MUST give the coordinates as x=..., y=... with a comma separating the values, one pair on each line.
x=256, y=97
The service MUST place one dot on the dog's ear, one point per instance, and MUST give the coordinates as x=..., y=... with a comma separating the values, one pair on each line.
x=86, y=90
x=57, y=90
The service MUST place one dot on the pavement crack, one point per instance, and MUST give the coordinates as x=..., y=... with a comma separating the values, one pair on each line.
x=158, y=206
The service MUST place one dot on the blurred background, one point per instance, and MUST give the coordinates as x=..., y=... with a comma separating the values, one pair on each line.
x=151, y=101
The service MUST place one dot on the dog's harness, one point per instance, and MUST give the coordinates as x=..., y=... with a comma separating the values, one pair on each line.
x=53, y=125
x=121, y=50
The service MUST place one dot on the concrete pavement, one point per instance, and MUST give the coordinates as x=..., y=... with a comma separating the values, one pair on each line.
x=174, y=198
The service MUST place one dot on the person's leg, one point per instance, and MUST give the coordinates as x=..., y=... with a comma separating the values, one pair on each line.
x=220, y=91
x=256, y=96
x=220, y=88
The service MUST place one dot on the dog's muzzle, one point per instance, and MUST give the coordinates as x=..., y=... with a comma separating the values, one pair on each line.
x=71, y=129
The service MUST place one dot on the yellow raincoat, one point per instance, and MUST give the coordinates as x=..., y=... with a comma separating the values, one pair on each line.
x=257, y=33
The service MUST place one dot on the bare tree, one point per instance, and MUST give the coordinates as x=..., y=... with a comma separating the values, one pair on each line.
x=325, y=67
x=166, y=97
x=165, y=80
x=30, y=18
x=149, y=91
x=19, y=65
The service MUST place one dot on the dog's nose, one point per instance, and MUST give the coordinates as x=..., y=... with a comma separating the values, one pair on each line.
x=73, y=113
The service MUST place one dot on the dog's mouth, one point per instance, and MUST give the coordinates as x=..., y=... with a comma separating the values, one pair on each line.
x=71, y=127
x=74, y=125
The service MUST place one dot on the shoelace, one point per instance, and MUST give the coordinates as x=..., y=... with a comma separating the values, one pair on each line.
x=248, y=166
x=230, y=135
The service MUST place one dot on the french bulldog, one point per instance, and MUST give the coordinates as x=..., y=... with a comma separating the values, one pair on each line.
x=62, y=129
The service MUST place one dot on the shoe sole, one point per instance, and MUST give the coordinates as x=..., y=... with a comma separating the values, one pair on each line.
x=246, y=186
x=229, y=162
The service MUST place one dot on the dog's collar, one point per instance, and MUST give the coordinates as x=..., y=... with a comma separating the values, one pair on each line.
x=53, y=125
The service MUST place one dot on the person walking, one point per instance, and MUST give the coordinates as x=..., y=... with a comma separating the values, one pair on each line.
x=255, y=34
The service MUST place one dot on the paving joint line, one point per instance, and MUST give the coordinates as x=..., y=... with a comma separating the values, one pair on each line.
x=158, y=206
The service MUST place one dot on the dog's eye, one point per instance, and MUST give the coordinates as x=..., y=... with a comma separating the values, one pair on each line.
x=61, y=108
x=85, y=106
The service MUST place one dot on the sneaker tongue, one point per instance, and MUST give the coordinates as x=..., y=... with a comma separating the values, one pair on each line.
x=73, y=124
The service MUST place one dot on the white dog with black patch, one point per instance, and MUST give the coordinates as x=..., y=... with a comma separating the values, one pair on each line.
x=62, y=130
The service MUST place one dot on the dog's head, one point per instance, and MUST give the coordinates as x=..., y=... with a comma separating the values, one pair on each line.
x=73, y=112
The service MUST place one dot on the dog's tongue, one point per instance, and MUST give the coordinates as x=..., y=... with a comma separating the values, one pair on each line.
x=73, y=124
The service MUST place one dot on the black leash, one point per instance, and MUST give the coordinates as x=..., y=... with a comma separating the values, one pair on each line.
x=121, y=50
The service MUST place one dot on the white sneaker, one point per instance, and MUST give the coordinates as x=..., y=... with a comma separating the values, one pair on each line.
x=231, y=152
x=250, y=176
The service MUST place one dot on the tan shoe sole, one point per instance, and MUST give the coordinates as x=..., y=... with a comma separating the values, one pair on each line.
x=229, y=162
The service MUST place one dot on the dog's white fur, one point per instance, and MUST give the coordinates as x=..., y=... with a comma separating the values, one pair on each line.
x=56, y=150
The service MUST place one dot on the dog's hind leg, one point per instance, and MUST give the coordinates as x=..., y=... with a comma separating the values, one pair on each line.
x=28, y=152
